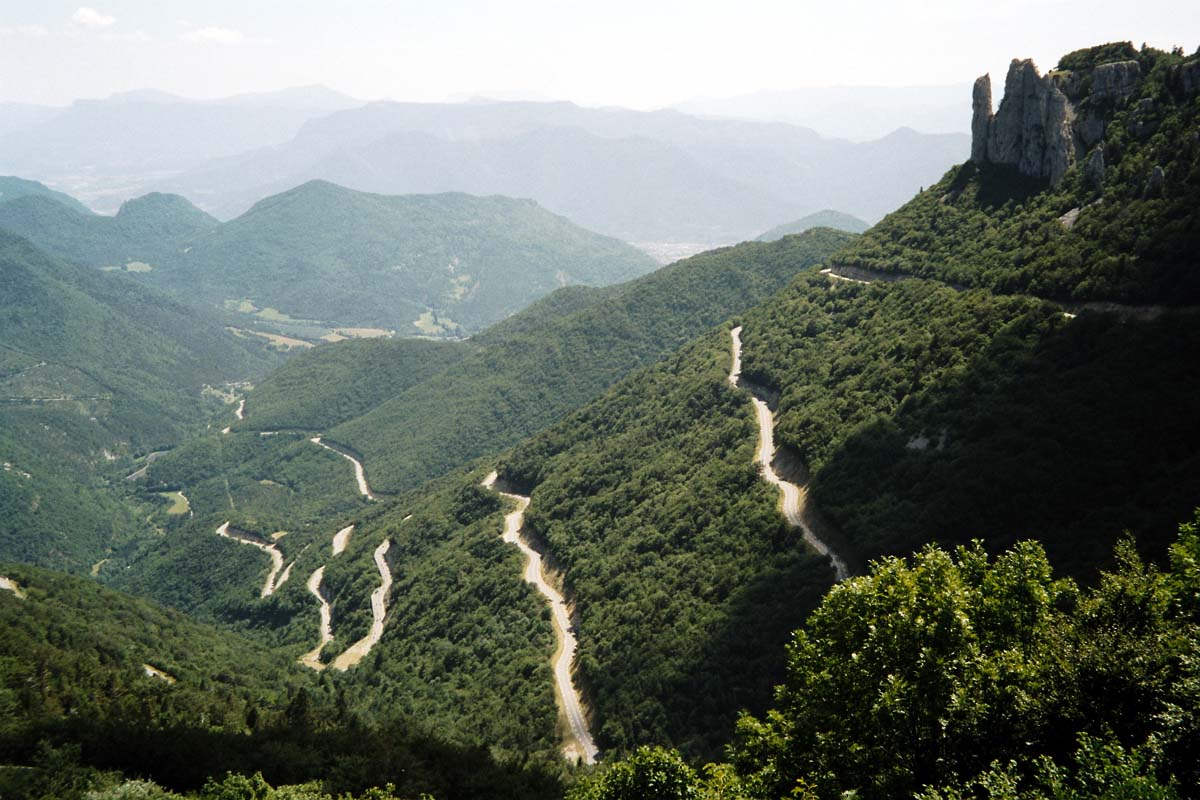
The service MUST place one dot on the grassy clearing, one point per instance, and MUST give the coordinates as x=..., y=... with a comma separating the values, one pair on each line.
x=430, y=324
x=243, y=306
x=179, y=503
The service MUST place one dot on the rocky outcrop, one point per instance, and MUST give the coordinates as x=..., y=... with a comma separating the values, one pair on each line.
x=1093, y=168
x=1032, y=128
x=1189, y=77
x=1046, y=123
x=981, y=117
x=1114, y=83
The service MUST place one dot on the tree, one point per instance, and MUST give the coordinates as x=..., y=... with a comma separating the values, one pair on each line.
x=651, y=773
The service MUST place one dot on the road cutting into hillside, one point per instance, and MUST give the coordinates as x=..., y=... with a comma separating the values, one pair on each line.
x=360, y=474
x=276, y=558
x=357, y=651
x=239, y=413
x=794, y=496
x=312, y=659
x=578, y=742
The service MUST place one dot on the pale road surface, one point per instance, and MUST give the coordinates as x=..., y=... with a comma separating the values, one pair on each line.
x=357, y=651
x=837, y=277
x=239, y=412
x=283, y=576
x=9, y=585
x=150, y=459
x=794, y=496
x=312, y=659
x=341, y=539
x=579, y=743
x=155, y=672
x=276, y=558
x=359, y=473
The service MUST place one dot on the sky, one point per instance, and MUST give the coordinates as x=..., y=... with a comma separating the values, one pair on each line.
x=634, y=53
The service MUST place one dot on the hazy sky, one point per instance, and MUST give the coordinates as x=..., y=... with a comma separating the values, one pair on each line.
x=639, y=53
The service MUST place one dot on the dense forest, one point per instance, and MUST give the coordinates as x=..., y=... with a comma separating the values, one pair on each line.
x=928, y=414
x=539, y=365
x=98, y=688
x=952, y=675
x=95, y=371
x=319, y=258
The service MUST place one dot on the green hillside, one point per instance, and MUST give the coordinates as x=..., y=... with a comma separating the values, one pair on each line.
x=99, y=687
x=954, y=676
x=322, y=252
x=821, y=219
x=521, y=377
x=12, y=187
x=331, y=384
x=450, y=563
x=145, y=235
x=94, y=370
x=320, y=261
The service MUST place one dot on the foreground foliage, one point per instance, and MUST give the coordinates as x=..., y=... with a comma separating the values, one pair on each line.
x=955, y=676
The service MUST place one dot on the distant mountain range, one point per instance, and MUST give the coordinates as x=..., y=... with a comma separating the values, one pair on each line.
x=857, y=113
x=640, y=176
x=661, y=176
x=106, y=151
x=322, y=257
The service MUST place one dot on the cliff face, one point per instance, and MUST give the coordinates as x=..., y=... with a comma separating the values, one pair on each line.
x=1046, y=123
x=1032, y=128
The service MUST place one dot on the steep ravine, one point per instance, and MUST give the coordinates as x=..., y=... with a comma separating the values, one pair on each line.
x=578, y=743
x=794, y=496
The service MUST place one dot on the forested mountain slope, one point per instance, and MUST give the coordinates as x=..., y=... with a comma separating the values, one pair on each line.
x=520, y=377
x=98, y=687
x=953, y=675
x=448, y=561
x=12, y=187
x=146, y=234
x=919, y=413
x=320, y=251
x=94, y=370
x=321, y=261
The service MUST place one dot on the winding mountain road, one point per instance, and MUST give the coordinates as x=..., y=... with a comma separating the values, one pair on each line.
x=239, y=413
x=276, y=559
x=579, y=743
x=794, y=496
x=357, y=651
x=312, y=659
x=360, y=474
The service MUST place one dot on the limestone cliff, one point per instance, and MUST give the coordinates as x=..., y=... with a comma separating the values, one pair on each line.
x=1032, y=128
x=1046, y=123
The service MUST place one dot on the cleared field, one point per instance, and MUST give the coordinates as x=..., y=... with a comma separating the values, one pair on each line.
x=179, y=503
